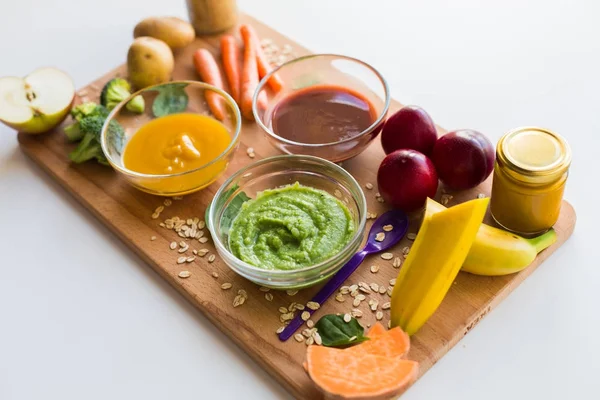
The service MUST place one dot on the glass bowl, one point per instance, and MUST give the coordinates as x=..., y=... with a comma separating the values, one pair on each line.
x=171, y=184
x=279, y=171
x=324, y=69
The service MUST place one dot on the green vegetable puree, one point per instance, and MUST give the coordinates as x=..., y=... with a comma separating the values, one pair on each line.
x=290, y=227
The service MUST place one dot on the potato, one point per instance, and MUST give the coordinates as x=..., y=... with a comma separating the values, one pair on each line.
x=149, y=62
x=173, y=31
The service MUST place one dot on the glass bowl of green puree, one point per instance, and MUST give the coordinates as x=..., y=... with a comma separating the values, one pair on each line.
x=289, y=221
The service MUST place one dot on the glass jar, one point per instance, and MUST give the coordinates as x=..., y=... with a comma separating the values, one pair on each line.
x=212, y=16
x=530, y=174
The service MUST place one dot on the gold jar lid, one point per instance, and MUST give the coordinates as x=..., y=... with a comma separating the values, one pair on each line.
x=534, y=155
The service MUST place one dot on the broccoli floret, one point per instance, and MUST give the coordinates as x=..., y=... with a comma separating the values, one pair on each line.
x=83, y=110
x=91, y=128
x=88, y=149
x=115, y=91
x=73, y=132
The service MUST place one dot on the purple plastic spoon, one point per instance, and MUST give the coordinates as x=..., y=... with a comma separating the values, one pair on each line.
x=398, y=220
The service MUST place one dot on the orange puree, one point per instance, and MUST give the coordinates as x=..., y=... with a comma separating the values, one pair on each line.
x=175, y=144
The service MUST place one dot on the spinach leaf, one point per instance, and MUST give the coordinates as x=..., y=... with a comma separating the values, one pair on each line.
x=233, y=209
x=171, y=99
x=336, y=332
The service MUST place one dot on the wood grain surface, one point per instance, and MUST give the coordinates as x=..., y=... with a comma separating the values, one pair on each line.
x=127, y=212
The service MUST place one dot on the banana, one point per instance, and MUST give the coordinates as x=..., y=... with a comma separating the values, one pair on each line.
x=435, y=259
x=497, y=252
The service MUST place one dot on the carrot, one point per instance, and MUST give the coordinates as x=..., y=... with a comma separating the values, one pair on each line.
x=249, y=80
x=230, y=56
x=207, y=68
x=264, y=67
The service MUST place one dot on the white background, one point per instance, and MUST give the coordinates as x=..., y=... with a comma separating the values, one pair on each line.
x=81, y=317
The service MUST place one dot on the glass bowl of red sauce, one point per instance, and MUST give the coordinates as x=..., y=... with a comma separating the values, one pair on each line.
x=330, y=106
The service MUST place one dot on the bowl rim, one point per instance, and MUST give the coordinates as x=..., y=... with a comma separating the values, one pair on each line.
x=366, y=131
x=359, y=234
x=205, y=86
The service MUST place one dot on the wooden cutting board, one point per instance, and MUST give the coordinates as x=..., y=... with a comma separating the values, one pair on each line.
x=127, y=212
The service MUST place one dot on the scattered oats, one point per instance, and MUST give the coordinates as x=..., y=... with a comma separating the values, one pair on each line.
x=195, y=251
x=226, y=286
x=356, y=302
x=310, y=341
x=181, y=260
x=387, y=256
x=446, y=198
x=168, y=202
x=184, y=274
x=369, y=186
x=177, y=197
x=247, y=174
x=250, y=150
x=203, y=240
x=173, y=245
x=317, y=338
x=239, y=300
x=390, y=290
x=242, y=292
x=379, y=316
x=155, y=216
x=215, y=274
x=339, y=297
x=162, y=225
x=374, y=287
x=380, y=200
x=310, y=323
x=283, y=310
x=345, y=290
x=202, y=252
x=337, y=193
x=373, y=304
x=356, y=313
x=386, y=305
x=183, y=249
x=405, y=251
x=411, y=236
x=264, y=289
x=377, y=194
x=159, y=209
x=299, y=306
x=352, y=339
x=354, y=293
x=382, y=289
x=361, y=297
x=280, y=329
x=313, y=305
x=397, y=262
x=388, y=228
x=380, y=237
x=481, y=196
x=374, y=269
x=392, y=282
x=299, y=338
x=269, y=296
x=305, y=315
x=190, y=259
x=291, y=292
x=390, y=324
x=251, y=155
x=152, y=238
x=201, y=224
x=364, y=287
x=347, y=318
x=211, y=258
x=353, y=287
x=307, y=333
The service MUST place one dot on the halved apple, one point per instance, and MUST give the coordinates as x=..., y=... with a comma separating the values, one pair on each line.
x=38, y=102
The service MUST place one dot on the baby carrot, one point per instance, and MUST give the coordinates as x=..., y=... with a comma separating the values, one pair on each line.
x=263, y=64
x=207, y=68
x=230, y=55
x=249, y=75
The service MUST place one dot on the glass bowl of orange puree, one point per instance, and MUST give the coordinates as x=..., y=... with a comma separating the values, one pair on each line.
x=176, y=153
x=330, y=106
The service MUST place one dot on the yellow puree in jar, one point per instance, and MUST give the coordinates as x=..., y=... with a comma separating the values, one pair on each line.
x=175, y=144
x=529, y=180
